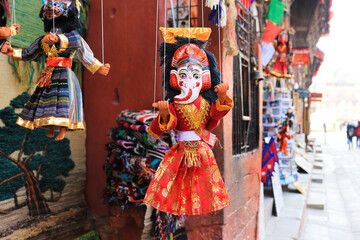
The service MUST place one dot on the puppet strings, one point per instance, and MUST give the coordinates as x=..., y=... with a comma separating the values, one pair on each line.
x=156, y=40
x=13, y=17
x=219, y=32
x=53, y=17
x=202, y=12
x=165, y=18
x=102, y=32
x=189, y=18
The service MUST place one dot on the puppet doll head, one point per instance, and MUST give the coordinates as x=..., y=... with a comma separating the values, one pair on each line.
x=64, y=14
x=190, y=70
x=283, y=37
x=191, y=73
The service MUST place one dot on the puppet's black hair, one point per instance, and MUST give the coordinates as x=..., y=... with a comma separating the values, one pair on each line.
x=169, y=50
x=67, y=23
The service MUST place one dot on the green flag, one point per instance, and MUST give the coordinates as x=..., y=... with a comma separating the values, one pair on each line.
x=276, y=11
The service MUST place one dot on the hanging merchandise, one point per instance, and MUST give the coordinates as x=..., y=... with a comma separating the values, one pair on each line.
x=274, y=18
x=133, y=157
x=282, y=68
x=56, y=103
x=282, y=137
x=218, y=12
x=188, y=181
x=269, y=158
x=230, y=38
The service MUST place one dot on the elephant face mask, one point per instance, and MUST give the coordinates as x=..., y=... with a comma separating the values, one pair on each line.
x=192, y=75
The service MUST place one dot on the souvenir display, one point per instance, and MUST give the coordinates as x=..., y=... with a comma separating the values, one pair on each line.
x=133, y=157
x=56, y=103
x=188, y=181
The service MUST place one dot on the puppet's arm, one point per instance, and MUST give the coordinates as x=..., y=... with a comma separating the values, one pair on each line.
x=25, y=54
x=87, y=58
x=165, y=121
x=222, y=106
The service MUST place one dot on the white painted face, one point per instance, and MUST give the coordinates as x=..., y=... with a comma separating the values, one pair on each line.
x=189, y=80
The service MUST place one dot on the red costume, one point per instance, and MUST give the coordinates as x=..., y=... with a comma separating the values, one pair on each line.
x=188, y=180
x=281, y=66
x=282, y=138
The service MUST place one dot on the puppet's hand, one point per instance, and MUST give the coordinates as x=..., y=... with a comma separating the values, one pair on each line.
x=7, y=49
x=220, y=90
x=50, y=38
x=17, y=27
x=104, y=69
x=164, y=110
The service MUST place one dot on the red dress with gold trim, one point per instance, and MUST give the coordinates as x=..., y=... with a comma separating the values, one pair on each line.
x=280, y=68
x=188, y=180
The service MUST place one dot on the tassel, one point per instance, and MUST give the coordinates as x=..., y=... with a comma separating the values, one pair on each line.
x=191, y=157
x=45, y=78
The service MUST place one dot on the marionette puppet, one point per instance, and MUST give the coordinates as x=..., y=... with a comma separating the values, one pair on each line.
x=283, y=136
x=281, y=67
x=188, y=181
x=56, y=103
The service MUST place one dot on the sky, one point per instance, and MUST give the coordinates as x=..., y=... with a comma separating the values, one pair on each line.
x=341, y=47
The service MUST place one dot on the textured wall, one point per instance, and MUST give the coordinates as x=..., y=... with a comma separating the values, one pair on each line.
x=68, y=206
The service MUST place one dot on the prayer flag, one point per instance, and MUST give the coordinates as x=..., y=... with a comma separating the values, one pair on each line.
x=271, y=31
x=276, y=11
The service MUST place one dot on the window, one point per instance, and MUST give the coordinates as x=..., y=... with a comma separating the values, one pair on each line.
x=246, y=92
x=178, y=13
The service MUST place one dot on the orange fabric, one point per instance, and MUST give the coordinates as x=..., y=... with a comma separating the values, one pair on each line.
x=169, y=34
x=59, y=62
x=188, y=181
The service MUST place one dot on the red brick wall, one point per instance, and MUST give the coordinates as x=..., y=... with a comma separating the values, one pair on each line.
x=129, y=48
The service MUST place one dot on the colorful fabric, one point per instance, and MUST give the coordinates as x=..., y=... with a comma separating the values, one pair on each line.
x=276, y=11
x=269, y=158
x=169, y=34
x=188, y=181
x=61, y=103
x=143, y=116
x=271, y=31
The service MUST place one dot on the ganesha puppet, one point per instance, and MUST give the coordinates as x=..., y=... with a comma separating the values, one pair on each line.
x=188, y=181
x=56, y=103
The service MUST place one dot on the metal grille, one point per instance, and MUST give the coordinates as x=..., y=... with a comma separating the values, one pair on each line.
x=178, y=13
x=246, y=92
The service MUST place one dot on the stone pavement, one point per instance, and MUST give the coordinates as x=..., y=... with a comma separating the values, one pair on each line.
x=333, y=205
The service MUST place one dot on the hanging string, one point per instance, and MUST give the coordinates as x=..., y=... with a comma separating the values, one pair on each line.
x=202, y=12
x=53, y=20
x=13, y=17
x=219, y=30
x=102, y=32
x=165, y=18
x=156, y=40
x=189, y=18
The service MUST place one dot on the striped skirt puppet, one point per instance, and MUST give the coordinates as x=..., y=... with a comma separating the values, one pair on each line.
x=188, y=181
x=56, y=103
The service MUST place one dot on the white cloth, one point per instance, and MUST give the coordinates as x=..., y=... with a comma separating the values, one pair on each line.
x=188, y=136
